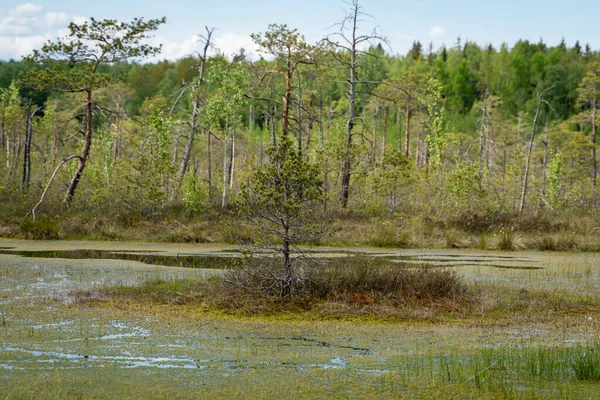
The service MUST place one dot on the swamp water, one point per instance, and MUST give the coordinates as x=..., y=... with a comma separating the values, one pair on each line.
x=51, y=347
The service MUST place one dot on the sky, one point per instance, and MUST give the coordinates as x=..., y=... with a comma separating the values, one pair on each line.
x=25, y=26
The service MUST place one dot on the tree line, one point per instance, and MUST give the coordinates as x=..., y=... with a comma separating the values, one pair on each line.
x=443, y=133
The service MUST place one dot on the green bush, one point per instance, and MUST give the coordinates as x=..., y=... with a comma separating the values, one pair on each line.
x=39, y=229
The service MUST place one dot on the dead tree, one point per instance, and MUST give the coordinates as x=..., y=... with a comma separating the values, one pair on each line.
x=347, y=39
x=540, y=103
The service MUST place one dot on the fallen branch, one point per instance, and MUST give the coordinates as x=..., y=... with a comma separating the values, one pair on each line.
x=63, y=162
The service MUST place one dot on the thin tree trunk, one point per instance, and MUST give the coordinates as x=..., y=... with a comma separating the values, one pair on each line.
x=544, y=167
x=482, y=138
x=351, y=112
x=374, y=154
x=529, y=150
x=195, y=112
x=223, y=198
x=299, y=112
x=3, y=128
x=118, y=136
x=210, y=191
x=285, y=115
x=272, y=119
x=85, y=151
x=399, y=126
x=407, y=132
x=232, y=158
x=287, y=265
x=384, y=132
x=43, y=196
x=27, y=149
x=594, y=132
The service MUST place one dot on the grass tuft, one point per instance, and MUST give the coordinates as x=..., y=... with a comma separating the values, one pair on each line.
x=39, y=229
x=586, y=365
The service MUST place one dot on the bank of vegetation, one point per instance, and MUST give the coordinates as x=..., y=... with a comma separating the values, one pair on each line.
x=460, y=146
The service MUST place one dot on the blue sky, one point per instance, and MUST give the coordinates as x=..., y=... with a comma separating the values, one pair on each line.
x=26, y=25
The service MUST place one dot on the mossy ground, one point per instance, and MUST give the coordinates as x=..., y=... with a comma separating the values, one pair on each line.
x=519, y=340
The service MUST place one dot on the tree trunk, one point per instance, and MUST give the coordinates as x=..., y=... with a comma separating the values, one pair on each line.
x=224, y=196
x=27, y=148
x=482, y=139
x=286, y=284
x=210, y=191
x=299, y=112
x=85, y=151
x=407, y=132
x=195, y=111
x=3, y=128
x=118, y=135
x=272, y=119
x=384, y=132
x=544, y=167
x=399, y=126
x=285, y=115
x=232, y=158
x=529, y=150
x=374, y=153
x=350, y=118
x=594, y=132
x=187, y=155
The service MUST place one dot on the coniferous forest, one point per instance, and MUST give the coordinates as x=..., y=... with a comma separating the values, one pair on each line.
x=452, y=146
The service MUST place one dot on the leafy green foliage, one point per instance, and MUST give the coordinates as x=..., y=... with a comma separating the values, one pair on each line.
x=282, y=196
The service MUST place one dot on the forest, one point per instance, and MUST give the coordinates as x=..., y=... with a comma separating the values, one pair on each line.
x=468, y=145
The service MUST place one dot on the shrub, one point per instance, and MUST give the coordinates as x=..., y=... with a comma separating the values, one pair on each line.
x=387, y=237
x=558, y=242
x=39, y=229
x=358, y=280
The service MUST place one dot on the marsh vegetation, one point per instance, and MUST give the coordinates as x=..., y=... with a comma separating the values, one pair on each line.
x=96, y=328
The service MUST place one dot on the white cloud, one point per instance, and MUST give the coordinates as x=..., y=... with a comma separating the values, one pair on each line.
x=228, y=44
x=231, y=43
x=28, y=27
x=173, y=50
x=55, y=19
x=437, y=32
x=26, y=10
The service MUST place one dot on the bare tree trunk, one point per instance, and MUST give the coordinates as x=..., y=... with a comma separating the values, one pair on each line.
x=195, y=112
x=285, y=115
x=384, y=132
x=210, y=190
x=544, y=167
x=528, y=160
x=299, y=112
x=232, y=158
x=272, y=119
x=118, y=135
x=351, y=112
x=374, y=147
x=594, y=132
x=224, y=196
x=482, y=138
x=407, y=132
x=43, y=196
x=286, y=286
x=27, y=149
x=399, y=126
x=85, y=151
x=3, y=128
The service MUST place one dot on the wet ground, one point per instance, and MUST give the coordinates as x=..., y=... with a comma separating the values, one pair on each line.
x=52, y=347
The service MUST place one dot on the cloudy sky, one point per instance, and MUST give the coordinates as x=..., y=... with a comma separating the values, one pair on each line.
x=25, y=26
